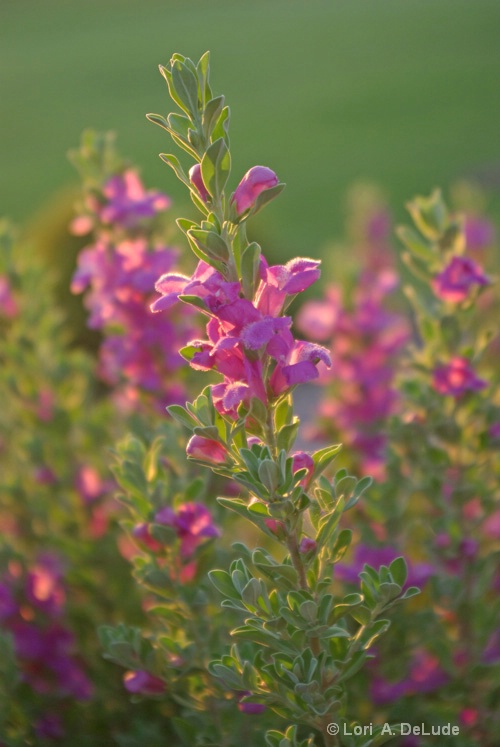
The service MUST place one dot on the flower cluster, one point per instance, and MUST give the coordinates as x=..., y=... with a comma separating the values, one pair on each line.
x=118, y=271
x=245, y=336
x=32, y=609
x=366, y=338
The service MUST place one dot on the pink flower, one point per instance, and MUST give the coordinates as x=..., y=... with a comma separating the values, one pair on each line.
x=193, y=524
x=298, y=366
x=456, y=378
x=8, y=305
x=494, y=431
x=455, y=281
x=89, y=483
x=307, y=545
x=280, y=281
x=248, y=706
x=143, y=683
x=318, y=319
x=425, y=675
x=479, y=233
x=207, y=450
x=50, y=727
x=196, y=180
x=44, y=585
x=127, y=202
x=257, y=180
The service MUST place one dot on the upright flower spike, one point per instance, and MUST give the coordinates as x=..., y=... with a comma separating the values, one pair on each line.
x=257, y=180
x=244, y=428
x=118, y=270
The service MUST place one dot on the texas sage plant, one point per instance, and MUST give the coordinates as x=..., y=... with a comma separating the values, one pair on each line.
x=437, y=420
x=296, y=643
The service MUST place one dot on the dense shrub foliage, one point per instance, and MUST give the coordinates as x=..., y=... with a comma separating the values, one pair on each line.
x=182, y=561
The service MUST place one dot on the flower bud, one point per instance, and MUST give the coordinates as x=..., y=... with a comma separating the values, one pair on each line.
x=307, y=545
x=197, y=181
x=301, y=460
x=143, y=683
x=258, y=179
x=206, y=450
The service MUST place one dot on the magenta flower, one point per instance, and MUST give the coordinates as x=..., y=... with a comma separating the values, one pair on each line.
x=44, y=585
x=365, y=339
x=318, y=319
x=280, y=281
x=207, y=450
x=127, y=202
x=8, y=305
x=8, y=604
x=89, y=483
x=193, y=523
x=49, y=726
x=249, y=707
x=494, y=431
x=479, y=233
x=298, y=366
x=424, y=676
x=143, y=683
x=456, y=378
x=257, y=180
x=196, y=180
x=139, y=354
x=455, y=281
x=307, y=544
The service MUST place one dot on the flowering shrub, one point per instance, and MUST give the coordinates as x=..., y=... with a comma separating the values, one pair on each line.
x=241, y=587
x=435, y=503
x=119, y=268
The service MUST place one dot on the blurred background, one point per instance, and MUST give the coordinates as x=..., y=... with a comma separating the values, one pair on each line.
x=326, y=92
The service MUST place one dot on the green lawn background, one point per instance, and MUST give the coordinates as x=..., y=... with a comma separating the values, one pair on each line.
x=403, y=92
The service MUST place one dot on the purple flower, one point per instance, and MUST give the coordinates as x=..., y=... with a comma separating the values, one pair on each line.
x=298, y=366
x=455, y=281
x=249, y=707
x=193, y=523
x=90, y=484
x=456, y=378
x=8, y=604
x=479, y=232
x=494, y=431
x=139, y=353
x=44, y=585
x=318, y=319
x=280, y=281
x=49, y=726
x=257, y=180
x=307, y=545
x=425, y=675
x=127, y=202
x=8, y=305
x=143, y=683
